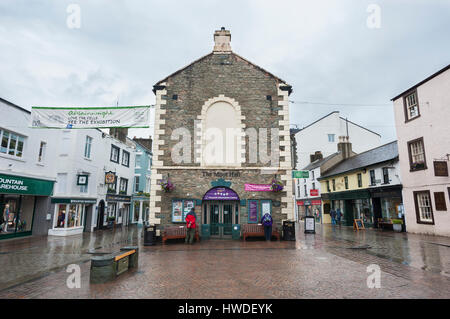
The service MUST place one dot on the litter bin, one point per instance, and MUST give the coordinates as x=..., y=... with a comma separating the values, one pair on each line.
x=288, y=230
x=236, y=231
x=206, y=232
x=149, y=235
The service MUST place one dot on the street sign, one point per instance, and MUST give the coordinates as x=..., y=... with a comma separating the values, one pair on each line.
x=300, y=174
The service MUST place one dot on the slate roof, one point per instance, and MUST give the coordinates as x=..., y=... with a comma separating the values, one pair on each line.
x=318, y=163
x=371, y=157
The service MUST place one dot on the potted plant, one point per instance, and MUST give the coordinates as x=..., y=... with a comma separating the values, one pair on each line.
x=397, y=225
x=277, y=186
x=167, y=185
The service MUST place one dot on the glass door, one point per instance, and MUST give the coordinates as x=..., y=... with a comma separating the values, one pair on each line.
x=227, y=219
x=214, y=219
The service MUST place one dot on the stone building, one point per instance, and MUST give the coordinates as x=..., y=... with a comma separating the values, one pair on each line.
x=211, y=118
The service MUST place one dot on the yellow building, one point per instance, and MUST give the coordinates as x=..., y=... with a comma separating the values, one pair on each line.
x=364, y=186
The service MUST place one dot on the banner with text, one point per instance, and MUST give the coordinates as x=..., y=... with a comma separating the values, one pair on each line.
x=90, y=117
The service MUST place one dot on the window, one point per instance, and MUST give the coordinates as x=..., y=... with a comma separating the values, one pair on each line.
x=346, y=182
x=149, y=162
x=411, y=105
x=115, y=151
x=298, y=189
x=416, y=152
x=328, y=186
x=42, y=149
x=11, y=144
x=424, y=211
x=112, y=187
x=359, y=180
x=87, y=147
x=313, y=185
x=306, y=191
x=137, y=164
x=439, y=201
x=385, y=175
x=334, y=184
x=372, y=177
x=312, y=176
x=136, y=184
x=83, y=189
x=125, y=158
x=331, y=138
x=123, y=186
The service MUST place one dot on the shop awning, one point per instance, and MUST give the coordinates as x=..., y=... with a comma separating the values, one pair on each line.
x=13, y=184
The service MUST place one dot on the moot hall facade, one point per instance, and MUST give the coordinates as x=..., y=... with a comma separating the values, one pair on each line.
x=219, y=93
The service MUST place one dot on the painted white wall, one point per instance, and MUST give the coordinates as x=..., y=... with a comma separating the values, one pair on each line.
x=433, y=125
x=315, y=138
x=17, y=121
x=393, y=171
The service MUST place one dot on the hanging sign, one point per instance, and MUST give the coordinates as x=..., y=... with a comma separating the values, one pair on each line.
x=89, y=117
x=110, y=178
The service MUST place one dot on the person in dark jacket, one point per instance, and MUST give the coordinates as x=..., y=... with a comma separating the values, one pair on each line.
x=267, y=221
x=191, y=226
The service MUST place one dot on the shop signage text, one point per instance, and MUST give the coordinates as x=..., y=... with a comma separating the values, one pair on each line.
x=25, y=185
x=258, y=187
x=300, y=174
x=314, y=192
x=222, y=174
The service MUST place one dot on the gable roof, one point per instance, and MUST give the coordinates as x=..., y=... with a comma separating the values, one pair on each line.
x=319, y=162
x=422, y=82
x=374, y=156
x=14, y=105
x=232, y=53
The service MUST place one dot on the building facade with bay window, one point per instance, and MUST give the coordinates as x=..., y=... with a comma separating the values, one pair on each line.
x=215, y=123
x=422, y=120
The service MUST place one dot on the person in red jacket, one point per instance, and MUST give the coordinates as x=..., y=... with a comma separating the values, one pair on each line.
x=190, y=225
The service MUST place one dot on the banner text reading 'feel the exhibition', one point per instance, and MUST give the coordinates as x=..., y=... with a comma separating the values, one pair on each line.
x=89, y=117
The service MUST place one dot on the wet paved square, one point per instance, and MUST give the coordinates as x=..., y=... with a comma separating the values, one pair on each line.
x=330, y=264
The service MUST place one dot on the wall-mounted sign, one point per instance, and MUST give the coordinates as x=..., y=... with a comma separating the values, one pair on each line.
x=89, y=117
x=440, y=168
x=82, y=179
x=314, y=192
x=110, y=178
x=221, y=193
x=252, y=211
x=11, y=184
x=300, y=174
x=177, y=211
x=258, y=187
x=118, y=198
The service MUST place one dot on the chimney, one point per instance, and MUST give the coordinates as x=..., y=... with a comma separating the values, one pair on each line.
x=222, y=39
x=345, y=147
x=316, y=156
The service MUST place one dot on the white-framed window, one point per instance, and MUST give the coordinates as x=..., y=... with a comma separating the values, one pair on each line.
x=69, y=215
x=137, y=163
x=114, y=154
x=125, y=158
x=331, y=138
x=149, y=162
x=87, y=147
x=147, y=184
x=306, y=191
x=136, y=184
x=424, y=211
x=83, y=188
x=417, y=152
x=123, y=185
x=42, y=151
x=411, y=106
x=11, y=143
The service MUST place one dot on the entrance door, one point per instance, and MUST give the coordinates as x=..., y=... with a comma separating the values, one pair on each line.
x=220, y=218
x=101, y=214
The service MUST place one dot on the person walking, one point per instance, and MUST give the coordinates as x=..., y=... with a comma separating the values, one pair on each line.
x=338, y=216
x=333, y=216
x=267, y=221
x=191, y=226
x=6, y=218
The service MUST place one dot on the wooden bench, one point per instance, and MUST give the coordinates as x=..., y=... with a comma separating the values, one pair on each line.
x=176, y=232
x=384, y=224
x=255, y=230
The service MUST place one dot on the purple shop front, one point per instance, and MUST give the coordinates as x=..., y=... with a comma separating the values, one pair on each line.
x=221, y=193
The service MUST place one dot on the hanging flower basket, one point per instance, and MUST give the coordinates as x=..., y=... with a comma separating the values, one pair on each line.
x=277, y=186
x=167, y=185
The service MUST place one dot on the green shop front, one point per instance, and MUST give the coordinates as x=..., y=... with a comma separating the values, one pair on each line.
x=24, y=201
x=352, y=205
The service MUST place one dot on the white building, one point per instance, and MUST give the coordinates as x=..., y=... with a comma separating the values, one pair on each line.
x=322, y=135
x=82, y=200
x=27, y=173
x=422, y=118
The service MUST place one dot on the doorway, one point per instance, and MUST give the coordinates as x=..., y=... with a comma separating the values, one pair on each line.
x=220, y=216
x=101, y=214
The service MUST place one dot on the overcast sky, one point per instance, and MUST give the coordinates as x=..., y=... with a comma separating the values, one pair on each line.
x=324, y=49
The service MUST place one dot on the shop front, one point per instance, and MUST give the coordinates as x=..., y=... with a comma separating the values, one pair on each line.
x=71, y=216
x=310, y=207
x=118, y=209
x=20, y=197
x=139, y=209
x=387, y=203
